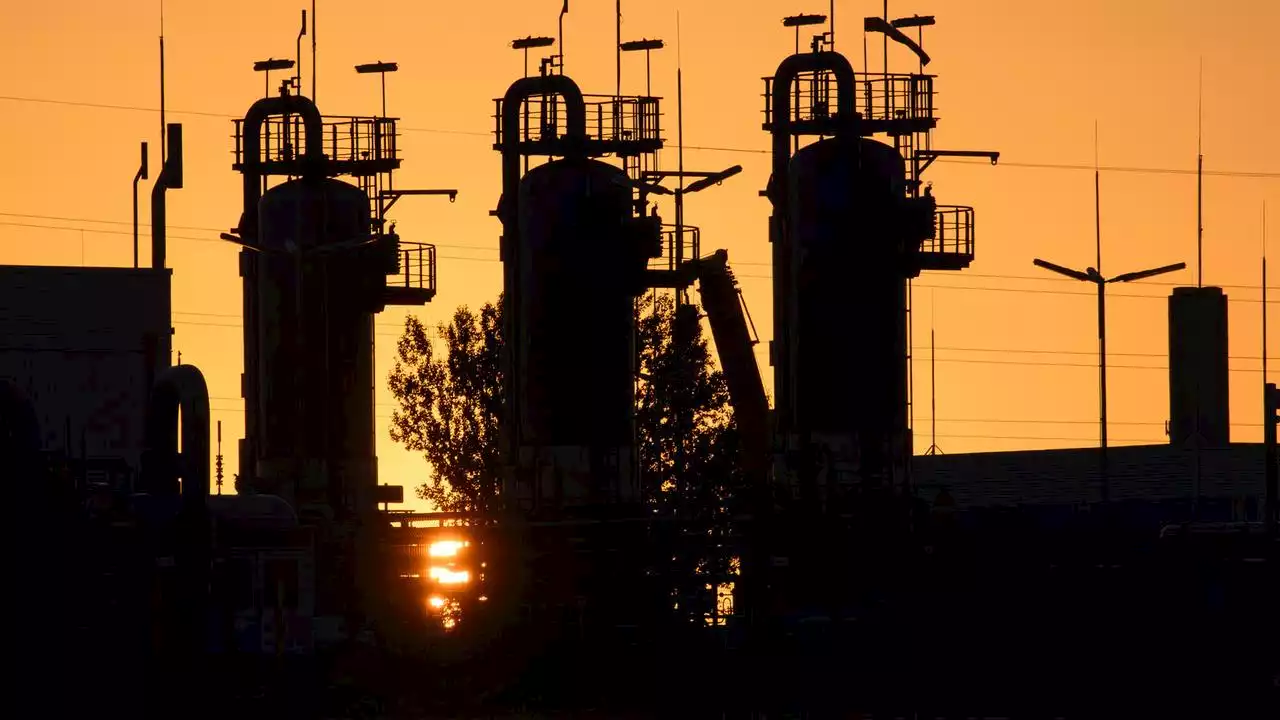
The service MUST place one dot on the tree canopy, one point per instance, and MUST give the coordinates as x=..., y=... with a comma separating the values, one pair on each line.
x=450, y=408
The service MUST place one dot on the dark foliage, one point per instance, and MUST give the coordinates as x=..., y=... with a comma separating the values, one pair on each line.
x=450, y=408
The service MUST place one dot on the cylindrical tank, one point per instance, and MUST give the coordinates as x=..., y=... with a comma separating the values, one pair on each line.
x=315, y=407
x=577, y=316
x=849, y=310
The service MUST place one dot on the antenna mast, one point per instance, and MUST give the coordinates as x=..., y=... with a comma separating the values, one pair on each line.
x=314, y=70
x=162, y=125
x=933, y=385
x=1097, y=198
x=679, y=145
x=1200, y=180
x=618, y=52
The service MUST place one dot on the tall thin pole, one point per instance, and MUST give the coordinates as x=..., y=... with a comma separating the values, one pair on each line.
x=314, y=69
x=618, y=52
x=1102, y=382
x=1102, y=323
x=680, y=163
x=560, y=34
x=832, y=16
x=163, y=148
x=933, y=389
x=1200, y=181
x=886, y=48
x=1264, y=293
x=679, y=151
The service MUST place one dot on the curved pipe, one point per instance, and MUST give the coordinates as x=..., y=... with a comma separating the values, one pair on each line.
x=181, y=388
x=251, y=130
x=519, y=92
x=785, y=77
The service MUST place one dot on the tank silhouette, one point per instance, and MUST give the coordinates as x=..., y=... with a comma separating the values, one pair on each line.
x=850, y=228
x=315, y=342
x=578, y=316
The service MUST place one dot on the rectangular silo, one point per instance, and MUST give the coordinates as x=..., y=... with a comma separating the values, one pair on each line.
x=1198, y=371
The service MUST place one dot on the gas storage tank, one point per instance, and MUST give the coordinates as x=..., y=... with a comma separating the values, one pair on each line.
x=315, y=347
x=849, y=353
x=576, y=309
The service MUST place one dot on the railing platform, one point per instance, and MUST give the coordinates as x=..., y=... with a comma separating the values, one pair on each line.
x=357, y=146
x=892, y=104
x=623, y=126
x=951, y=247
x=415, y=283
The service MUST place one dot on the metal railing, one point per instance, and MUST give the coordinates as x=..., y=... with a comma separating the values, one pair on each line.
x=347, y=139
x=417, y=266
x=877, y=97
x=609, y=119
x=689, y=242
x=953, y=231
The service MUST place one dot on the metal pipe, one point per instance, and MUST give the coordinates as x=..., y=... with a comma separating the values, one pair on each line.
x=314, y=69
x=180, y=389
x=170, y=178
x=251, y=128
x=140, y=175
x=1102, y=382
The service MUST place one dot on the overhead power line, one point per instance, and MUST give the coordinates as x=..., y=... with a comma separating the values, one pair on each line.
x=1261, y=175
x=478, y=248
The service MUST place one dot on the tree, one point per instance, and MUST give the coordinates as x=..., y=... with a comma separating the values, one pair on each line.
x=450, y=409
x=688, y=447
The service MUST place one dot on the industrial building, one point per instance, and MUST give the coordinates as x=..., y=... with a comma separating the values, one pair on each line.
x=87, y=366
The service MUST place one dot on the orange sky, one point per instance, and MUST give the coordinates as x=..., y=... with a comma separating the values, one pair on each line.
x=1022, y=78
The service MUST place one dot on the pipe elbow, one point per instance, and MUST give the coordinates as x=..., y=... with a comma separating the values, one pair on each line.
x=524, y=88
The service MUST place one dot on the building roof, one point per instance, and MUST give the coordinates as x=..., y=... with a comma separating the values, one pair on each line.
x=1071, y=477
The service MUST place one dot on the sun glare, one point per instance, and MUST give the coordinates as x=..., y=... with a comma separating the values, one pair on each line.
x=445, y=576
x=446, y=548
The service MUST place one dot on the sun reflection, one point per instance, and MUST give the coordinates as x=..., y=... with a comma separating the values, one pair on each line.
x=446, y=548
x=445, y=576
x=449, y=611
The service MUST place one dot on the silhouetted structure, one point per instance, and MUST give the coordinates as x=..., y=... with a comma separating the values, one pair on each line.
x=851, y=224
x=575, y=246
x=86, y=364
x=318, y=264
x=1199, y=381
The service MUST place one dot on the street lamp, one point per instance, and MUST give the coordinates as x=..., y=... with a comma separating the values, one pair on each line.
x=382, y=68
x=799, y=21
x=645, y=45
x=266, y=66
x=1093, y=276
x=531, y=42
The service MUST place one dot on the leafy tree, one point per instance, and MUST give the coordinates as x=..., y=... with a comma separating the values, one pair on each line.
x=688, y=444
x=450, y=408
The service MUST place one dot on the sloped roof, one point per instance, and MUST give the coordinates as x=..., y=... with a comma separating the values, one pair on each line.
x=1068, y=477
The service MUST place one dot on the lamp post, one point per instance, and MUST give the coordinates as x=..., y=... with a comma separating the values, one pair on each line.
x=531, y=42
x=382, y=68
x=266, y=66
x=645, y=45
x=1091, y=275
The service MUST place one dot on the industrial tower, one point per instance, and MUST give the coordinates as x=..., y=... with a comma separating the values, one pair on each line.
x=318, y=263
x=852, y=224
